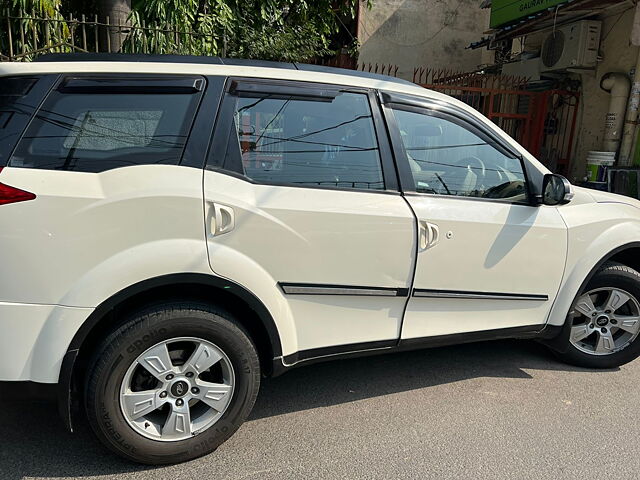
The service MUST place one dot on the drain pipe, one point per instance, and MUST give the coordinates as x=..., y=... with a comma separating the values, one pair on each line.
x=619, y=86
x=630, y=135
x=634, y=101
x=631, y=121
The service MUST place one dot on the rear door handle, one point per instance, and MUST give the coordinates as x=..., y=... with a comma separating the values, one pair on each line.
x=429, y=235
x=223, y=219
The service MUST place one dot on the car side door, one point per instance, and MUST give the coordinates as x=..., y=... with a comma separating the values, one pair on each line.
x=488, y=258
x=302, y=208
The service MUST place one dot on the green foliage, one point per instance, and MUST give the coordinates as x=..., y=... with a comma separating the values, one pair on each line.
x=48, y=8
x=287, y=44
x=284, y=30
x=29, y=32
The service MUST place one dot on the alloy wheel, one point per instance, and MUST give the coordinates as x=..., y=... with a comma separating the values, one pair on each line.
x=607, y=320
x=177, y=389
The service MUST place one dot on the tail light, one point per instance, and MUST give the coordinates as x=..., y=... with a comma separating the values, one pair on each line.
x=10, y=194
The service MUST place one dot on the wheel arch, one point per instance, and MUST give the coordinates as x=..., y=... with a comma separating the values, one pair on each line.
x=252, y=313
x=627, y=254
x=623, y=254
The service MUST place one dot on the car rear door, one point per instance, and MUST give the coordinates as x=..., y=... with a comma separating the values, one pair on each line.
x=488, y=259
x=302, y=208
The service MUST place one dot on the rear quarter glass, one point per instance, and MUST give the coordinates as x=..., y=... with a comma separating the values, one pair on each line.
x=20, y=97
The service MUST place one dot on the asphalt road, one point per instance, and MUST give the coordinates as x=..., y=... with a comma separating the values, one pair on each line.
x=503, y=410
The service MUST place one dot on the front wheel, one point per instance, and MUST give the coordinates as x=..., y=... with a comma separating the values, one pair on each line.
x=606, y=320
x=172, y=384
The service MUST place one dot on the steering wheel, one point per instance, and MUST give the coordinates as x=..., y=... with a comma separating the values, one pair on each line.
x=477, y=166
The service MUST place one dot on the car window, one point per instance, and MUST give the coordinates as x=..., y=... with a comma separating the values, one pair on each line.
x=19, y=97
x=101, y=130
x=328, y=142
x=446, y=158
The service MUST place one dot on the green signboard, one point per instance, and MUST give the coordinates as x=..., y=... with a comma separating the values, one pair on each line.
x=507, y=11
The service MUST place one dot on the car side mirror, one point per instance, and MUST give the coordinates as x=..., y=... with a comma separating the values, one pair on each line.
x=556, y=190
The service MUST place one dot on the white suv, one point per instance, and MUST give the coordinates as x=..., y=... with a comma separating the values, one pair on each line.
x=176, y=227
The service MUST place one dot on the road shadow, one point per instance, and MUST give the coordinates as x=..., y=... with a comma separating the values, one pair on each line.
x=343, y=381
x=33, y=442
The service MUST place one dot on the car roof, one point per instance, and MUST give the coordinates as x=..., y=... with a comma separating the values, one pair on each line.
x=197, y=65
x=211, y=60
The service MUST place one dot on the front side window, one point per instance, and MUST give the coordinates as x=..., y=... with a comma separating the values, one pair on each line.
x=446, y=158
x=327, y=142
x=105, y=129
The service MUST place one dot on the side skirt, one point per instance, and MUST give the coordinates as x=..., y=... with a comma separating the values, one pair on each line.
x=316, y=355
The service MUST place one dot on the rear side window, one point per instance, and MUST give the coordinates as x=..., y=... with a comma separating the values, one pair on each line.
x=97, y=124
x=289, y=139
x=19, y=98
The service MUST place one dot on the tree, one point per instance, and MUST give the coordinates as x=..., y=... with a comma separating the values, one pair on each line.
x=117, y=12
x=283, y=30
x=286, y=30
x=25, y=12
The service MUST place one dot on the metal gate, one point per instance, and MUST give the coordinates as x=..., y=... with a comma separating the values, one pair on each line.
x=542, y=122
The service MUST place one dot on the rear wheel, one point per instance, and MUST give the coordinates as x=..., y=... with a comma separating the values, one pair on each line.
x=606, y=320
x=172, y=384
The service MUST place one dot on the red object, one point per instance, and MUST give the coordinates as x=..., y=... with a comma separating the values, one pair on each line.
x=10, y=194
x=542, y=122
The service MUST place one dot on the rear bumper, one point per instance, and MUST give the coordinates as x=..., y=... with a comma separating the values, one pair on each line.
x=34, y=339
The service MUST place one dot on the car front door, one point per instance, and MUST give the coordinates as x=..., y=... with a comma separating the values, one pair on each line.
x=302, y=208
x=487, y=258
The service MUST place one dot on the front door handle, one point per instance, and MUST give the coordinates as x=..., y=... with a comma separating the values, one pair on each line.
x=429, y=235
x=224, y=219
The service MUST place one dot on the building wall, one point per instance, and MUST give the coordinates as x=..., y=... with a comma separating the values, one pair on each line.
x=417, y=33
x=618, y=55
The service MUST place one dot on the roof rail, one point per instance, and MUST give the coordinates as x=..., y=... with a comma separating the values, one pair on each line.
x=206, y=60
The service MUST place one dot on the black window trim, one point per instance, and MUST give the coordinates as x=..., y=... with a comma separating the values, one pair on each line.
x=281, y=89
x=198, y=142
x=300, y=89
x=451, y=113
x=138, y=84
x=399, y=100
x=193, y=153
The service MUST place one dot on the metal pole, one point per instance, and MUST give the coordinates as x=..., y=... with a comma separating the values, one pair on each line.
x=10, y=36
x=84, y=32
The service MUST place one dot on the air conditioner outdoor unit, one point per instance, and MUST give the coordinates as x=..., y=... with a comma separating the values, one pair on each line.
x=572, y=46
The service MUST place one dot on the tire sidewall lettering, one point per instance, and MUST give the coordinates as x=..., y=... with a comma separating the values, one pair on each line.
x=140, y=343
x=144, y=332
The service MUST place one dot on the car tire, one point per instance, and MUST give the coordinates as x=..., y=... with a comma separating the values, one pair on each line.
x=127, y=367
x=609, y=330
